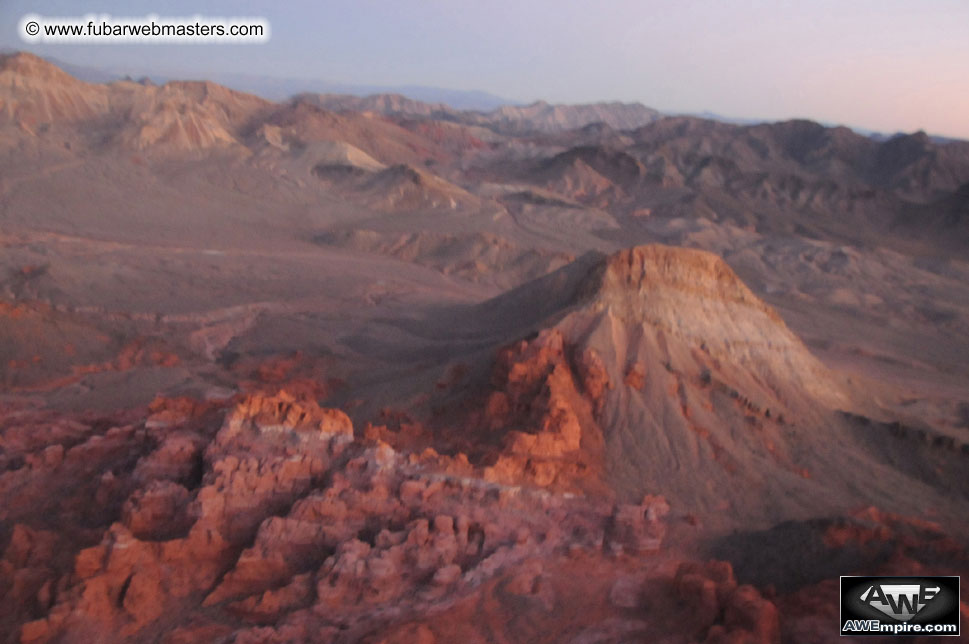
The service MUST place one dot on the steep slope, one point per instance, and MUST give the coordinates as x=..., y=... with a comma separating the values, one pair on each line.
x=302, y=121
x=35, y=92
x=335, y=154
x=655, y=364
x=178, y=117
x=919, y=168
x=591, y=174
x=404, y=186
x=399, y=188
x=944, y=222
x=183, y=116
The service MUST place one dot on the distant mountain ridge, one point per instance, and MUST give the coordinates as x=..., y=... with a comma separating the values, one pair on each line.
x=468, y=107
x=539, y=116
x=421, y=100
x=277, y=89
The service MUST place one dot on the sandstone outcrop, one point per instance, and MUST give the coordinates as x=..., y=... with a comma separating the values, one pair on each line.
x=279, y=517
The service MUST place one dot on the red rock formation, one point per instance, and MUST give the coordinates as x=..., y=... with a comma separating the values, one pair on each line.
x=327, y=548
x=639, y=528
x=157, y=511
x=541, y=408
x=283, y=412
x=278, y=526
x=723, y=611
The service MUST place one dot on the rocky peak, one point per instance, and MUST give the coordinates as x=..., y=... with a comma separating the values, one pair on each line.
x=644, y=270
x=29, y=66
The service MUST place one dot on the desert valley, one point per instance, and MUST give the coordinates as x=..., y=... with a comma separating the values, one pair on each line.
x=344, y=369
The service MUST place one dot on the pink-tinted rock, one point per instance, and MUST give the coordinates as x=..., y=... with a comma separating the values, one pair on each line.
x=639, y=528
x=157, y=511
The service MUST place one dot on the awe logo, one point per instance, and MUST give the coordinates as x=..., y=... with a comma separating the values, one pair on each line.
x=901, y=601
x=902, y=606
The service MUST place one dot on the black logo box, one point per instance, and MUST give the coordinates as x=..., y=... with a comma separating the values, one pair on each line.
x=942, y=609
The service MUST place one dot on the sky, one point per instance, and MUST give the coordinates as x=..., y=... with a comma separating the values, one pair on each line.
x=885, y=65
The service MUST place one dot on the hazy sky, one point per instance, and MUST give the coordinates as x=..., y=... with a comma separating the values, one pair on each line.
x=882, y=64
